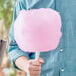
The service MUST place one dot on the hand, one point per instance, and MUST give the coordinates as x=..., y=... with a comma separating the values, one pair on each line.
x=34, y=67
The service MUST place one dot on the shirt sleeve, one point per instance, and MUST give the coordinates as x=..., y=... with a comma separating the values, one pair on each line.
x=14, y=51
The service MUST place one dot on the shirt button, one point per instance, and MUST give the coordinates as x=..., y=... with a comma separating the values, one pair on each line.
x=61, y=49
x=13, y=41
x=62, y=70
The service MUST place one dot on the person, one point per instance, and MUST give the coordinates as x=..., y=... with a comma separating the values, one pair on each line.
x=58, y=62
x=2, y=49
x=1, y=72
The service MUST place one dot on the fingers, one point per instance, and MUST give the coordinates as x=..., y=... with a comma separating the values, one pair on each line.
x=37, y=62
x=34, y=68
x=34, y=72
x=41, y=60
x=34, y=75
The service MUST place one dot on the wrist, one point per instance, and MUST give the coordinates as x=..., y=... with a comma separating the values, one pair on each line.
x=22, y=63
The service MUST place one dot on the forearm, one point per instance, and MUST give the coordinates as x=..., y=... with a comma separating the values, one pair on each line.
x=21, y=63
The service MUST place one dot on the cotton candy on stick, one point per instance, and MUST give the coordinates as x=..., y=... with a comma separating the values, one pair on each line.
x=37, y=30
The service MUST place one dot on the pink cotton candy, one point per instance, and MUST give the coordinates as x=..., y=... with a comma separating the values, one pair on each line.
x=37, y=30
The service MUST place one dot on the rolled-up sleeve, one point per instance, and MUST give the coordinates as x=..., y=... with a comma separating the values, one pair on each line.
x=14, y=51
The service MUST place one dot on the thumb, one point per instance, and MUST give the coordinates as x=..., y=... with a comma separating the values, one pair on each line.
x=41, y=60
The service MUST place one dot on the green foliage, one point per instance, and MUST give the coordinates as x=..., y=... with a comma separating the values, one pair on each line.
x=6, y=11
x=12, y=72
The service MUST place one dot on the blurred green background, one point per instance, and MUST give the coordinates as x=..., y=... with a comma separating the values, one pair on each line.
x=6, y=14
x=6, y=10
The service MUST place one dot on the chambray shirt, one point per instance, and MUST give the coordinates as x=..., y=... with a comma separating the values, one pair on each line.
x=62, y=60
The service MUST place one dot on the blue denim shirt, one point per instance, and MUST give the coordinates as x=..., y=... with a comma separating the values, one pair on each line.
x=62, y=60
